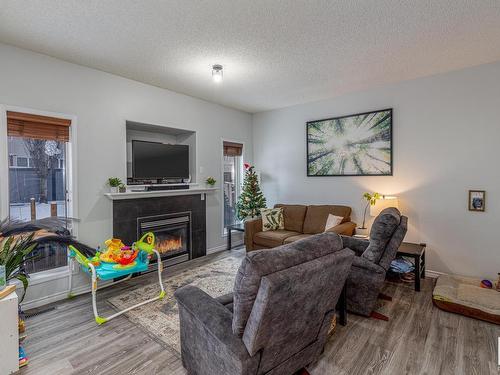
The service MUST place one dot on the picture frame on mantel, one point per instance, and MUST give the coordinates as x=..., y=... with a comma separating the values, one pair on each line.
x=354, y=145
x=477, y=200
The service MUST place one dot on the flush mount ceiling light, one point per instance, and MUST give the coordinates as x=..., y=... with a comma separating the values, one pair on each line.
x=217, y=73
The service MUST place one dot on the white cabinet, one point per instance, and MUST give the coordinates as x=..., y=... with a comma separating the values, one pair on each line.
x=9, y=335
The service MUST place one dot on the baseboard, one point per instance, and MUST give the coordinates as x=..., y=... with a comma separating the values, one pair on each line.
x=433, y=274
x=216, y=249
x=53, y=298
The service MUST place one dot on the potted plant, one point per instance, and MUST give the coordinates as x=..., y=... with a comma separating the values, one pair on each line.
x=371, y=199
x=210, y=181
x=114, y=183
x=122, y=188
x=14, y=251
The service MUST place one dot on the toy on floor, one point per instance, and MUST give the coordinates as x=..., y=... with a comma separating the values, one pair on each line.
x=486, y=284
x=117, y=261
x=23, y=360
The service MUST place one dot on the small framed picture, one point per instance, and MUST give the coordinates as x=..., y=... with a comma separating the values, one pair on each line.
x=477, y=200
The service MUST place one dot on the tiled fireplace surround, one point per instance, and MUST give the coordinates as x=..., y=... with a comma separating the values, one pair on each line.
x=133, y=216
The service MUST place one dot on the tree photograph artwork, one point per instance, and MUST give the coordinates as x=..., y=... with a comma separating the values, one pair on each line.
x=354, y=145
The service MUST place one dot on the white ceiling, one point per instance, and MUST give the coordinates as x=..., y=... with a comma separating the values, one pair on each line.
x=274, y=53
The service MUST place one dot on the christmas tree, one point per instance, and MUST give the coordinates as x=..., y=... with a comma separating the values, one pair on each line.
x=251, y=199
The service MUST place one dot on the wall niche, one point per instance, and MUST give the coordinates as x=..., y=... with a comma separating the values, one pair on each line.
x=137, y=131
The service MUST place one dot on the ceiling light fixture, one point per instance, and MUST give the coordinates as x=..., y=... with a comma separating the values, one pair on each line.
x=217, y=73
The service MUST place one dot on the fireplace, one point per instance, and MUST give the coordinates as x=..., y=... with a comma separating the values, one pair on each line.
x=150, y=212
x=173, y=235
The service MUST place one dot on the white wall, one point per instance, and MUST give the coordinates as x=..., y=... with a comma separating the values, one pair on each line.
x=101, y=103
x=446, y=134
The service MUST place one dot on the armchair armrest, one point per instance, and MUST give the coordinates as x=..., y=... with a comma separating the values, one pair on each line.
x=360, y=262
x=208, y=344
x=252, y=226
x=358, y=245
x=346, y=228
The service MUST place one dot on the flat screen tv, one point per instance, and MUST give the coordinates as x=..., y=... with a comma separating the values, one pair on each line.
x=151, y=160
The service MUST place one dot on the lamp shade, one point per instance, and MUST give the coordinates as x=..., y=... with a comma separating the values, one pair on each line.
x=382, y=203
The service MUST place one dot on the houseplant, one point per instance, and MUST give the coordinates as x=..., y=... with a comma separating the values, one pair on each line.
x=371, y=199
x=114, y=183
x=210, y=181
x=14, y=251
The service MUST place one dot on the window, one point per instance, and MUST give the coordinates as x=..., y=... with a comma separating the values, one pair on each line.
x=22, y=162
x=37, y=179
x=232, y=169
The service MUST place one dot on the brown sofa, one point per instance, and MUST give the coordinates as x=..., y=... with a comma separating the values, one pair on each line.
x=300, y=222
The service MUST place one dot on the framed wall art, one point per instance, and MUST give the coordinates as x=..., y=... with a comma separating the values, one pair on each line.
x=477, y=200
x=353, y=145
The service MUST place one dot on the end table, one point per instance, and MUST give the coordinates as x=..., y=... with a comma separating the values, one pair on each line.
x=239, y=227
x=417, y=252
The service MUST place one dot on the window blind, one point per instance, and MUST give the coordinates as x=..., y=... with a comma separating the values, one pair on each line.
x=37, y=127
x=233, y=149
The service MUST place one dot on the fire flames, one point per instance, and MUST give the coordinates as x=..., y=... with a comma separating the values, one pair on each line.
x=170, y=244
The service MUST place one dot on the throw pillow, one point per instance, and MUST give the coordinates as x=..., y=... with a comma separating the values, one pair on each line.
x=272, y=219
x=333, y=221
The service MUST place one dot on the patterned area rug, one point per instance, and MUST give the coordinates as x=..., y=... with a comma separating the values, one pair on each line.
x=161, y=318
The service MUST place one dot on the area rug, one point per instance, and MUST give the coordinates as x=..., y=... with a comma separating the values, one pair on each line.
x=160, y=319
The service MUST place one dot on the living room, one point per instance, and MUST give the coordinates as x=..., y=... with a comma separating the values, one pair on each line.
x=194, y=117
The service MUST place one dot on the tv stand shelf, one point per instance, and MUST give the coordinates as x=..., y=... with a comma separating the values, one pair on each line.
x=160, y=193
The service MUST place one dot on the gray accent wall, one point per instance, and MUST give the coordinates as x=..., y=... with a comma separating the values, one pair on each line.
x=446, y=133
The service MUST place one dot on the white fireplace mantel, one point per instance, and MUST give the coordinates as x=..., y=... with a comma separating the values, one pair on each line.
x=160, y=193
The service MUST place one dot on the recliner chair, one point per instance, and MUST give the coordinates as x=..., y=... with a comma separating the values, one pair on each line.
x=278, y=318
x=373, y=259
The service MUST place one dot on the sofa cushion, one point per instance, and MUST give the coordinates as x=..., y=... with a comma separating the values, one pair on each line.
x=260, y=263
x=272, y=219
x=382, y=230
x=272, y=238
x=316, y=217
x=296, y=238
x=294, y=215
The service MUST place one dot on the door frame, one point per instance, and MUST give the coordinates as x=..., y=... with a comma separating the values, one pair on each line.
x=241, y=175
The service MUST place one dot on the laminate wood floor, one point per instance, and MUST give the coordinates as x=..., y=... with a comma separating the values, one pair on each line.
x=418, y=339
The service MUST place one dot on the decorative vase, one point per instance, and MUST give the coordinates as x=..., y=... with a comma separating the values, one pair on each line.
x=3, y=278
x=113, y=189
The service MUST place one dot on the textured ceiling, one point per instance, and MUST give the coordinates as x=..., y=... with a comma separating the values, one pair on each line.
x=275, y=53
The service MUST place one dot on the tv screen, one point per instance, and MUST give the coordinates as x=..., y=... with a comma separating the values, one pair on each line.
x=152, y=160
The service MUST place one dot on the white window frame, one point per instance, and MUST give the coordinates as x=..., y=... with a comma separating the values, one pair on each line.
x=22, y=158
x=239, y=177
x=71, y=178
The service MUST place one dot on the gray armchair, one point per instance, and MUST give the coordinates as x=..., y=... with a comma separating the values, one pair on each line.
x=278, y=317
x=372, y=260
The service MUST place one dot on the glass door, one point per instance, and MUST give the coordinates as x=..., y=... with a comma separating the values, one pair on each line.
x=38, y=149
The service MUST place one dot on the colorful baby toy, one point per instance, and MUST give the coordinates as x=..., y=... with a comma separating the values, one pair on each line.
x=115, y=262
x=486, y=284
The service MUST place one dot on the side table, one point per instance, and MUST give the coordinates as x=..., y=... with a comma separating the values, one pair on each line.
x=239, y=227
x=417, y=252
